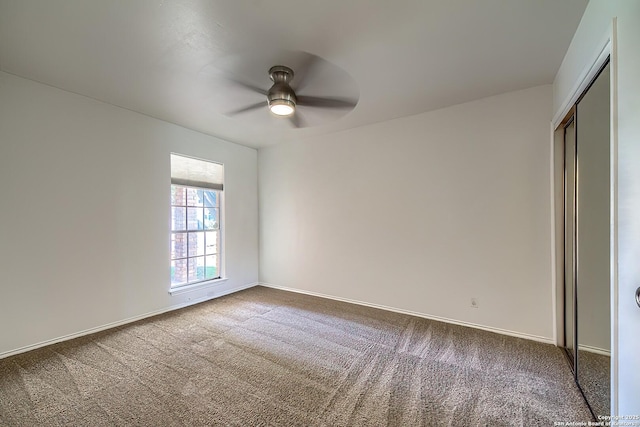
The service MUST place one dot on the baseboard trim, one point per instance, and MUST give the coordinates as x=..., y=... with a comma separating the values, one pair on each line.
x=596, y=350
x=124, y=321
x=537, y=338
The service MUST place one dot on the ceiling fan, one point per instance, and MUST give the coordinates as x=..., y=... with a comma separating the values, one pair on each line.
x=282, y=99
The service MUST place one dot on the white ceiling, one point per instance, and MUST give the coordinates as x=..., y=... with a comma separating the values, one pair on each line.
x=164, y=58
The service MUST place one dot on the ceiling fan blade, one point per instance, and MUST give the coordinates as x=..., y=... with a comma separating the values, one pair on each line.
x=224, y=75
x=305, y=71
x=298, y=121
x=295, y=120
x=314, y=101
x=247, y=86
x=255, y=106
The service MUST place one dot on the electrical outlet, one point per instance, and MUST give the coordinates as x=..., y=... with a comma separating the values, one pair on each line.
x=474, y=303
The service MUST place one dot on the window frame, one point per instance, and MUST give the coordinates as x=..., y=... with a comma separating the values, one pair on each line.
x=190, y=285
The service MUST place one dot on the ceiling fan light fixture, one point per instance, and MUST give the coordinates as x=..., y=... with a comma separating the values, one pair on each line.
x=282, y=107
x=281, y=98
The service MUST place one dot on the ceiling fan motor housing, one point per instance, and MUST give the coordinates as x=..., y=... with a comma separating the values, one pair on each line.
x=281, y=92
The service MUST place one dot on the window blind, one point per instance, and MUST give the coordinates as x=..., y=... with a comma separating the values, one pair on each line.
x=196, y=173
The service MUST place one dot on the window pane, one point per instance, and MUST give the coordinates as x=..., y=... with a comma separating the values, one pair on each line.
x=210, y=199
x=196, y=244
x=194, y=197
x=178, y=195
x=211, y=219
x=178, y=272
x=178, y=245
x=211, y=243
x=195, y=253
x=178, y=219
x=196, y=269
x=211, y=263
x=194, y=219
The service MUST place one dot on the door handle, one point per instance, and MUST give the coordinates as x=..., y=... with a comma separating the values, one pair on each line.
x=638, y=297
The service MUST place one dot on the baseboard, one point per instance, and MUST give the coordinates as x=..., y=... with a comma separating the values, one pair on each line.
x=595, y=350
x=124, y=321
x=545, y=340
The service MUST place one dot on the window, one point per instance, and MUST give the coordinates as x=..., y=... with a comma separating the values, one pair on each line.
x=196, y=242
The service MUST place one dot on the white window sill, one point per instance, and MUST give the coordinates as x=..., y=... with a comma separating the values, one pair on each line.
x=196, y=286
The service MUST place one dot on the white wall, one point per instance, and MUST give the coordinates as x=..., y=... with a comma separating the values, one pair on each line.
x=84, y=213
x=420, y=213
x=595, y=26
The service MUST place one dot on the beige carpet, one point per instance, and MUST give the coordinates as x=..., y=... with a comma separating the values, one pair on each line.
x=272, y=358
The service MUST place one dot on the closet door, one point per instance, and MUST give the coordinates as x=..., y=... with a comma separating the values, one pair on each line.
x=569, y=239
x=593, y=255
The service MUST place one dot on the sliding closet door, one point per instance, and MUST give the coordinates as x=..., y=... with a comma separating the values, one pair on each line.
x=584, y=142
x=569, y=241
x=593, y=244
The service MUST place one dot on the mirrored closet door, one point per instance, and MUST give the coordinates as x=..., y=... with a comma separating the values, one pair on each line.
x=586, y=256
